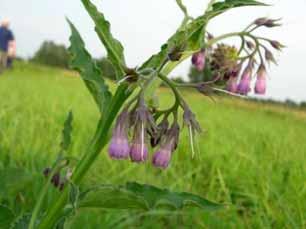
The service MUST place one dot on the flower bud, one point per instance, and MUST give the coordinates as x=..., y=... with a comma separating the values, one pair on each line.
x=260, y=21
x=244, y=84
x=277, y=45
x=198, y=60
x=176, y=53
x=47, y=172
x=250, y=45
x=260, y=85
x=210, y=36
x=56, y=179
x=272, y=23
x=267, y=22
x=269, y=56
x=119, y=146
x=162, y=157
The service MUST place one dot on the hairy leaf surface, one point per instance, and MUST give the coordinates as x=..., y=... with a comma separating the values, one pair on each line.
x=143, y=197
x=113, y=46
x=86, y=66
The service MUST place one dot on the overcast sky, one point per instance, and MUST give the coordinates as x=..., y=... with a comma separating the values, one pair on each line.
x=143, y=25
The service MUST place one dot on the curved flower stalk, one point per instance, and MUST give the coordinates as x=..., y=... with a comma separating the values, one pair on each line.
x=140, y=123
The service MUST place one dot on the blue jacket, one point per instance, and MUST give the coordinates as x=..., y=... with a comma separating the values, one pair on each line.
x=6, y=36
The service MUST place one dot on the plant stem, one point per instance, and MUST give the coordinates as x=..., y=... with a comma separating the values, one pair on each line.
x=42, y=195
x=99, y=141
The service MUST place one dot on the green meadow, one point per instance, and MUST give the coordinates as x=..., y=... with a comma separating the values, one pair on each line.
x=251, y=156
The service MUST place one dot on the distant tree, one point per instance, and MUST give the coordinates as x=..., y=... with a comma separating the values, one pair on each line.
x=303, y=105
x=52, y=54
x=106, y=67
x=291, y=103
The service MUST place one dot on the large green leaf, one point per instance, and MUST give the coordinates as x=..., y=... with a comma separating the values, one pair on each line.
x=112, y=45
x=143, y=197
x=86, y=66
x=6, y=217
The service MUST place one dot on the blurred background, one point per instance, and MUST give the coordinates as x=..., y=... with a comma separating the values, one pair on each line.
x=142, y=26
x=250, y=156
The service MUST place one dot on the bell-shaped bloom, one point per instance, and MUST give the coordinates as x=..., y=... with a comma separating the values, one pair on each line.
x=162, y=157
x=119, y=147
x=139, y=150
x=244, y=84
x=143, y=123
x=260, y=85
x=232, y=85
x=198, y=60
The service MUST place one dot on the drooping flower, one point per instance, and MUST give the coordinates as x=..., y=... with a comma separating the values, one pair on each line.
x=244, y=84
x=144, y=123
x=162, y=157
x=198, y=60
x=260, y=85
x=119, y=147
x=139, y=150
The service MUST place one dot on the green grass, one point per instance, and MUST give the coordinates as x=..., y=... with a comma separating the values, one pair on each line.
x=252, y=156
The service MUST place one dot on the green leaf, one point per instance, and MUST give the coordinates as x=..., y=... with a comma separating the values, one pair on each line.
x=6, y=217
x=112, y=45
x=111, y=197
x=66, y=134
x=220, y=7
x=86, y=66
x=143, y=197
x=156, y=197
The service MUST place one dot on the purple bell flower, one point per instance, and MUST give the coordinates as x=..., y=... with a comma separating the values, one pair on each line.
x=244, y=84
x=162, y=157
x=119, y=147
x=260, y=85
x=144, y=123
x=139, y=152
x=198, y=60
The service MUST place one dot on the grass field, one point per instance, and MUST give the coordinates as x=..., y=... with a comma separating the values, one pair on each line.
x=252, y=156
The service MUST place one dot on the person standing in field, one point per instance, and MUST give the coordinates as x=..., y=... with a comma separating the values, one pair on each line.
x=7, y=44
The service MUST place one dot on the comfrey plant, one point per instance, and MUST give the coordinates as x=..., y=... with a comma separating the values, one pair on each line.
x=140, y=126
